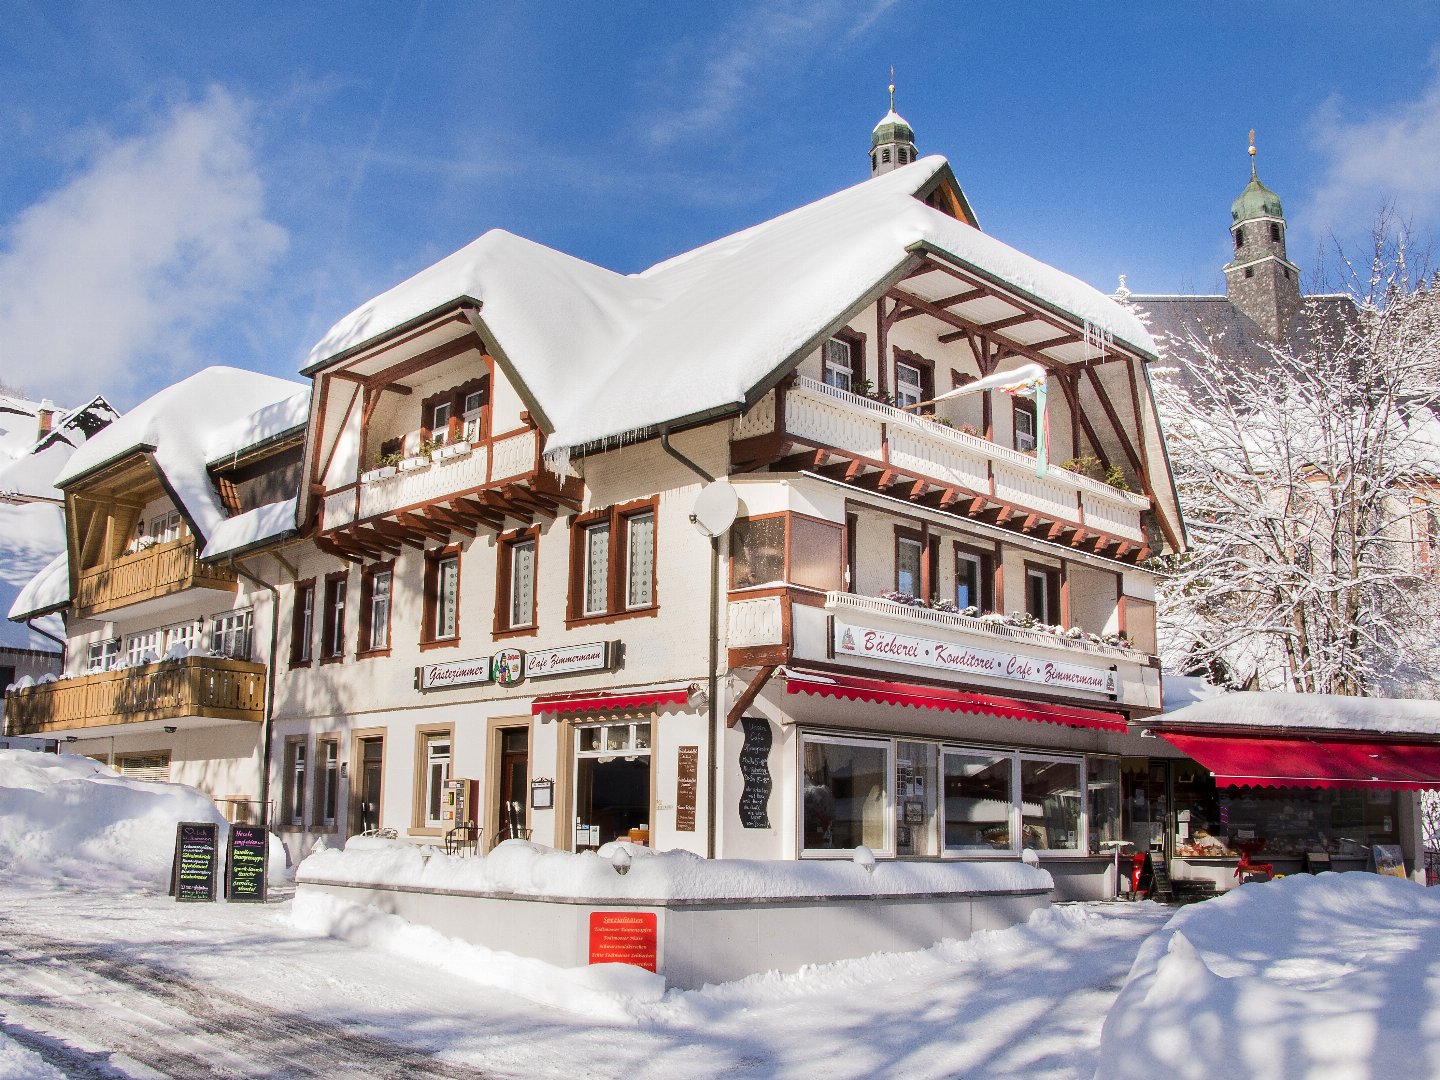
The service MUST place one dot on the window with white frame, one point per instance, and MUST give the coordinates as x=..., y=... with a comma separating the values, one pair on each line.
x=472, y=410
x=294, y=793
x=597, y=568
x=839, y=363
x=184, y=635
x=144, y=647
x=1051, y=798
x=1026, y=428
x=909, y=559
x=231, y=634
x=846, y=793
x=612, y=781
x=979, y=796
x=1042, y=594
x=166, y=527
x=518, y=567
x=375, y=582
x=440, y=421
x=447, y=597
x=327, y=780
x=437, y=771
x=103, y=655
x=909, y=384
x=640, y=560
x=1102, y=802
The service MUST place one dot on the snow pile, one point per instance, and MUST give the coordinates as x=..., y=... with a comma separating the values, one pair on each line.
x=17, y=1063
x=1334, y=975
x=68, y=818
x=601, y=991
x=522, y=868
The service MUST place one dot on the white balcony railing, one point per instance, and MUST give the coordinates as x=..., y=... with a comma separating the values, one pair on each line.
x=448, y=472
x=826, y=416
x=853, y=606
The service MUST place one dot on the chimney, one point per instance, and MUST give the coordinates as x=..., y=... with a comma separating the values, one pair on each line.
x=44, y=418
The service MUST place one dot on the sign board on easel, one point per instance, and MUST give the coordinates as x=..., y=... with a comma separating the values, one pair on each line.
x=246, y=860
x=192, y=875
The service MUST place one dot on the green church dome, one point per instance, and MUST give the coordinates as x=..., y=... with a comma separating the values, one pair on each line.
x=1256, y=201
x=892, y=128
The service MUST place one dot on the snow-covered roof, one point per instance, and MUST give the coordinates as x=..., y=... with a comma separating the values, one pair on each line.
x=1311, y=712
x=234, y=536
x=891, y=117
x=604, y=354
x=1181, y=691
x=261, y=426
x=178, y=424
x=29, y=462
x=49, y=590
x=32, y=541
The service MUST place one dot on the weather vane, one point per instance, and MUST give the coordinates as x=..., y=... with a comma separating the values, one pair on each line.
x=1252, y=153
x=892, y=87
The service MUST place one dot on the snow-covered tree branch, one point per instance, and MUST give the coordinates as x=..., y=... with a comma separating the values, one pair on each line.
x=1310, y=483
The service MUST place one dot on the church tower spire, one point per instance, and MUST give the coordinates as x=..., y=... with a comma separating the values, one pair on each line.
x=1260, y=280
x=892, y=143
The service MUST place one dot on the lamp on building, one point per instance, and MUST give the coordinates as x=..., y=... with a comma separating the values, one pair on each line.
x=72, y=738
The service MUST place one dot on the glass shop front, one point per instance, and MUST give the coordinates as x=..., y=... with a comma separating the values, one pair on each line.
x=1174, y=809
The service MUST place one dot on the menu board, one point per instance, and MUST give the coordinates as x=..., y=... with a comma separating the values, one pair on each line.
x=755, y=771
x=245, y=861
x=1389, y=860
x=192, y=877
x=687, y=780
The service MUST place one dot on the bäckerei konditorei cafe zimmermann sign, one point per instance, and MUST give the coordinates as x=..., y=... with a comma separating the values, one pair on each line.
x=868, y=643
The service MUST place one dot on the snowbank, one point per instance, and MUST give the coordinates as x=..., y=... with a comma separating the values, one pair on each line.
x=66, y=818
x=17, y=1063
x=1332, y=975
x=526, y=869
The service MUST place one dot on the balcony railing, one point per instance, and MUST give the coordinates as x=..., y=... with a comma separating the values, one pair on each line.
x=161, y=570
x=167, y=690
x=824, y=416
x=434, y=477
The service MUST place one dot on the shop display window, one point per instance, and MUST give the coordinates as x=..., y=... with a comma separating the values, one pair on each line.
x=612, y=782
x=1279, y=822
x=916, y=820
x=847, y=793
x=1102, y=779
x=978, y=801
x=1050, y=800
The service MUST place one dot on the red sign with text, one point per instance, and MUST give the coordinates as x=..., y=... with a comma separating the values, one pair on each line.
x=624, y=937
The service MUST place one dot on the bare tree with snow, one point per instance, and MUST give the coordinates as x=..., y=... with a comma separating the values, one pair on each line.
x=1310, y=481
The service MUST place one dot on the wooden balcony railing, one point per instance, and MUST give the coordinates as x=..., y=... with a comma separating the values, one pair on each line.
x=167, y=690
x=161, y=570
x=889, y=442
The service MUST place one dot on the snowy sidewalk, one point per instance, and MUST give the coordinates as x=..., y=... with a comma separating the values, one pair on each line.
x=1026, y=1002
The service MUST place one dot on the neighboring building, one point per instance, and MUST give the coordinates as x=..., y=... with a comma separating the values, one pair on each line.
x=165, y=673
x=36, y=440
x=1292, y=780
x=507, y=585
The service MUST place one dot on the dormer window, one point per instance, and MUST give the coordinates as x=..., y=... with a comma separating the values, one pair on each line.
x=440, y=421
x=457, y=413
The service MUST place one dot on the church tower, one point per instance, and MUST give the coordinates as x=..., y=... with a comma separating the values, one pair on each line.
x=1260, y=280
x=892, y=143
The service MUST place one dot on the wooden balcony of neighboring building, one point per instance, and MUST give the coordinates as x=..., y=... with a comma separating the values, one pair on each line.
x=807, y=425
x=192, y=687
x=462, y=487
x=157, y=571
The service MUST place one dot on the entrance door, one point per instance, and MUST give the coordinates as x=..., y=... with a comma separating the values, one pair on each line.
x=612, y=782
x=514, y=787
x=372, y=754
x=1147, y=812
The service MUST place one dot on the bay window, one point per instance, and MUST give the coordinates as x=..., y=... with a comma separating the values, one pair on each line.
x=787, y=548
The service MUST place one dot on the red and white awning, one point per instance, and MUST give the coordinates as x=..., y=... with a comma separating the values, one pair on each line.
x=1242, y=760
x=582, y=701
x=856, y=688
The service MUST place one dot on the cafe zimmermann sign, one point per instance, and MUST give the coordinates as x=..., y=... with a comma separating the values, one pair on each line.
x=863, y=641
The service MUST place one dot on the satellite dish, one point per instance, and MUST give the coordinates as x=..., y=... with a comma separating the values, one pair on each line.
x=715, y=508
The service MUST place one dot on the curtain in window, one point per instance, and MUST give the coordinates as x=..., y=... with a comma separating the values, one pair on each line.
x=641, y=573
x=597, y=569
x=522, y=584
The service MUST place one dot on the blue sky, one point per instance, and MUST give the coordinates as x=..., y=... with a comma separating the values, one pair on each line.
x=191, y=184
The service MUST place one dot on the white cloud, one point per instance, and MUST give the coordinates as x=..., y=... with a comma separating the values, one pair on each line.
x=1390, y=157
x=106, y=281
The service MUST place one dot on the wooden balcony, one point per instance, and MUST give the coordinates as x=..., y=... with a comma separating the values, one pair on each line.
x=161, y=570
x=810, y=426
x=168, y=690
x=462, y=488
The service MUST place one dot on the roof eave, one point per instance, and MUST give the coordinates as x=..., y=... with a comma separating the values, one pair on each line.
x=463, y=301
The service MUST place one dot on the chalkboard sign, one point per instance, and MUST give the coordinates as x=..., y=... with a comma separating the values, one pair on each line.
x=245, y=861
x=755, y=770
x=686, y=783
x=192, y=877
